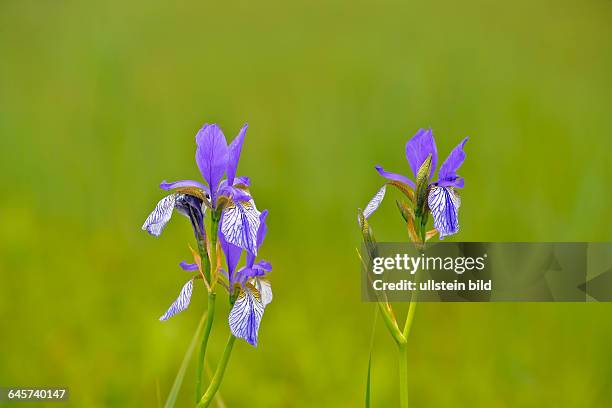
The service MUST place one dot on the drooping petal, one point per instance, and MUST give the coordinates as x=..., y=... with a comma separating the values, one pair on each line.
x=444, y=206
x=232, y=255
x=234, y=154
x=245, y=316
x=447, y=175
x=265, y=289
x=240, y=224
x=192, y=208
x=157, y=220
x=211, y=157
x=394, y=176
x=418, y=148
x=190, y=267
x=181, y=303
x=374, y=202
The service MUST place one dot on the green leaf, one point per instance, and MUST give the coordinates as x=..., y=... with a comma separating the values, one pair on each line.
x=368, y=393
x=178, y=380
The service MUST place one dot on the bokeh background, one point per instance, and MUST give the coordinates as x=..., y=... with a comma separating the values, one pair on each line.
x=100, y=101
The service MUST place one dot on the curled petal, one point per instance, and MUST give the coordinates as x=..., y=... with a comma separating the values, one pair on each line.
x=246, y=314
x=259, y=269
x=181, y=303
x=190, y=267
x=447, y=176
x=394, y=177
x=375, y=202
x=211, y=156
x=164, y=185
x=234, y=154
x=157, y=220
x=235, y=193
x=261, y=234
x=240, y=222
x=192, y=208
x=418, y=148
x=444, y=206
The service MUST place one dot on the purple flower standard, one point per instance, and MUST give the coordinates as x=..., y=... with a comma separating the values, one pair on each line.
x=255, y=292
x=442, y=199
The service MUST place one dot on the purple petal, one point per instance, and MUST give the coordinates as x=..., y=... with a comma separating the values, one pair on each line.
x=444, y=206
x=240, y=222
x=447, y=176
x=234, y=154
x=419, y=148
x=181, y=303
x=394, y=176
x=238, y=180
x=235, y=193
x=157, y=220
x=183, y=183
x=232, y=254
x=190, y=267
x=211, y=157
x=246, y=314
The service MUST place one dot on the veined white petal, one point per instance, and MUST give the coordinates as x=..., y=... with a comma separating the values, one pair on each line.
x=245, y=316
x=181, y=303
x=157, y=220
x=444, y=206
x=375, y=202
x=265, y=289
x=240, y=224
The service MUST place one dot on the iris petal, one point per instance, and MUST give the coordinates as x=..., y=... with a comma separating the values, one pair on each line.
x=394, y=176
x=190, y=267
x=234, y=154
x=246, y=314
x=375, y=202
x=444, y=206
x=240, y=223
x=418, y=148
x=211, y=156
x=157, y=220
x=181, y=303
x=447, y=175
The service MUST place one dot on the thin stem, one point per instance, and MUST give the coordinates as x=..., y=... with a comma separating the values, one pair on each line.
x=218, y=377
x=210, y=315
x=403, y=375
x=391, y=323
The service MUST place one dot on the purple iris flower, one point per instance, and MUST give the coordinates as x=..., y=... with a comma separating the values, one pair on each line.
x=255, y=291
x=215, y=159
x=443, y=201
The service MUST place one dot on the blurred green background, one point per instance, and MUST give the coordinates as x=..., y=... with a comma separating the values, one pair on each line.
x=100, y=101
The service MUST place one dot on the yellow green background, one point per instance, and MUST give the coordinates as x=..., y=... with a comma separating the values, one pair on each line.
x=100, y=101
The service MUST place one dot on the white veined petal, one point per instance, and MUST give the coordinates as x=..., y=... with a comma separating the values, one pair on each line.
x=181, y=303
x=245, y=316
x=157, y=220
x=375, y=202
x=265, y=289
x=444, y=206
x=240, y=224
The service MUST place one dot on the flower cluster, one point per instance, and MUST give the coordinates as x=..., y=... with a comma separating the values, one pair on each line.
x=235, y=223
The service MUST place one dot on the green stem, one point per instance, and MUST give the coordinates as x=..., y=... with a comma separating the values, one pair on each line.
x=210, y=315
x=403, y=375
x=218, y=377
x=391, y=323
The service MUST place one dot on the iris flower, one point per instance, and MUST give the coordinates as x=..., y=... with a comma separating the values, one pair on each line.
x=442, y=198
x=215, y=159
x=254, y=292
x=228, y=197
